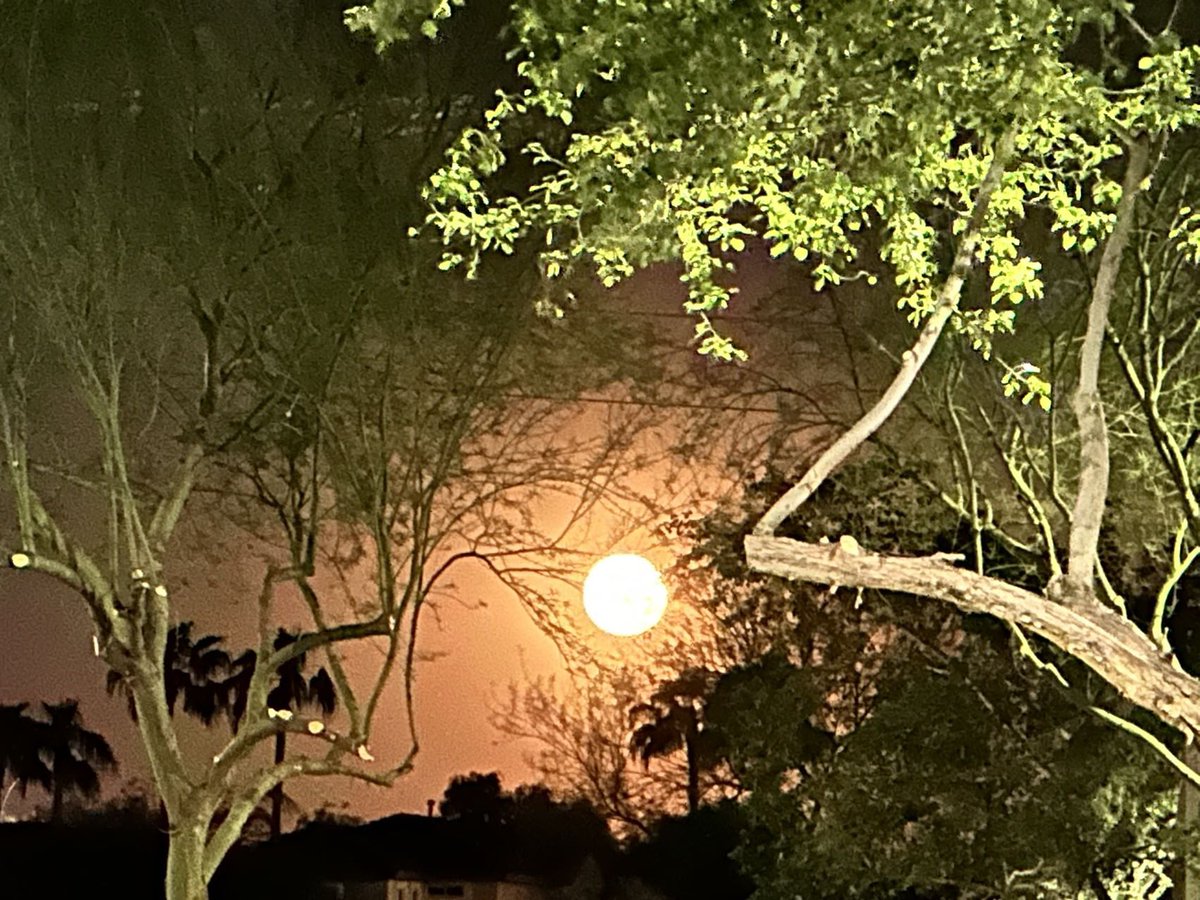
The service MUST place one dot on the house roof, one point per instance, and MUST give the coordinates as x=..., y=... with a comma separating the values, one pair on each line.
x=425, y=848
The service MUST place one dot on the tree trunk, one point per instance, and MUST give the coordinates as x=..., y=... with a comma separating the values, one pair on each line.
x=56, y=804
x=1187, y=877
x=185, y=863
x=277, y=791
x=690, y=739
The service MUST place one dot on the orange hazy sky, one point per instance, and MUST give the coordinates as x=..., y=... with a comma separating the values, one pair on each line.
x=482, y=639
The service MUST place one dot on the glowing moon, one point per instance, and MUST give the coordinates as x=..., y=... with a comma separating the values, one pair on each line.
x=624, y=595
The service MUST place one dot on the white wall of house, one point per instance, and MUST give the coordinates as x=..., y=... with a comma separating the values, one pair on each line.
x=416, y=889
x=510, y=890
x=413, y=889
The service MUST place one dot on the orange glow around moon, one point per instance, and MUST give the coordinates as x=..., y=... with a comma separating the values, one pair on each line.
x=624, y=595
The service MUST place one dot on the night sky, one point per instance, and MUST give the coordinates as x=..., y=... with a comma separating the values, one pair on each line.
x=479, y=638
x=46, y=654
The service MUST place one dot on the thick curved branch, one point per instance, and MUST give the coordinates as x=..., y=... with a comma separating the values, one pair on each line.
x=170, y=507
x=1096, y=636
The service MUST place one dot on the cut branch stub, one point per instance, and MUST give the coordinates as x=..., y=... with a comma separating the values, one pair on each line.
x=1098, y=637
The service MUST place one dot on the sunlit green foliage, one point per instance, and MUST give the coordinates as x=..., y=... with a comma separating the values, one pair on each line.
x=834, y=131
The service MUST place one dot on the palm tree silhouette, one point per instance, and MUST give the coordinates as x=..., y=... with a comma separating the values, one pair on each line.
x=237, y=686
x=211, y=683
x=21, y=738
x=195, y=669
x=673, y=720
x=74, y=755
x=292, y=691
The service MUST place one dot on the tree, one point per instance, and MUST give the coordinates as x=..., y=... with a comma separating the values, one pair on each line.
x=205, y=240
x=528, y=826
x=966, y=776
x=196, y=669
x=1146, y=377
x=692, y=855
x=582, y=736
x=293, y=692
x=476, y=798
x=828, y=132
x=21, y=740
x=74, y=755
x=948, y=724
x=673, y=720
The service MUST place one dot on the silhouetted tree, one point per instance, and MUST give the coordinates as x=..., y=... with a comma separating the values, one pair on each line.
x=673, y=720
x=197, y=669
x=692, y=856
x=532, y=825
x=21, y=738
x=476, y=798
x=292, y=691
x=74, y=754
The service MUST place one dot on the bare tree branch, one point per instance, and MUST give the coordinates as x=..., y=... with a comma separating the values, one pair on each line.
x=911, y=361
x=1077, y=585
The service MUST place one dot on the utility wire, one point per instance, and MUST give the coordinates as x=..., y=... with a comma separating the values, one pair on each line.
x=620, y=401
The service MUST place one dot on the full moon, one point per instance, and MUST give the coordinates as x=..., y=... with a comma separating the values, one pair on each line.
x=624, y=595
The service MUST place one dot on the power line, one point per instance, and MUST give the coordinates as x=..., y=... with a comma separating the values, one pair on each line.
x=662, y=404
x=715, y=317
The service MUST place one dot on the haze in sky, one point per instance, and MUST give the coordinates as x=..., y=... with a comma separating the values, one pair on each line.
x=475, y=642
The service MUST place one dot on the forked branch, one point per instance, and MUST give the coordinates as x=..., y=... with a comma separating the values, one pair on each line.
x=912, y=360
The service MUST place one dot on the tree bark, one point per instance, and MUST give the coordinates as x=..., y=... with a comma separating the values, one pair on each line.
x=185, y=862
x=1095, y=635
x=1087, y=517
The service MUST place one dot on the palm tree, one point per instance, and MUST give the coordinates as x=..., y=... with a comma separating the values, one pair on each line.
x=212, y=683
x=74, y=755
x=292, y=691
x=194, y=669
x=21, y=737
x=673, y=720
x=237, y=686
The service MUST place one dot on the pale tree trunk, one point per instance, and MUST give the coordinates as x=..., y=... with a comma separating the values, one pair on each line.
x=188, y=810
x=1187, y=877
x=185, y=862
x=1069, y=615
